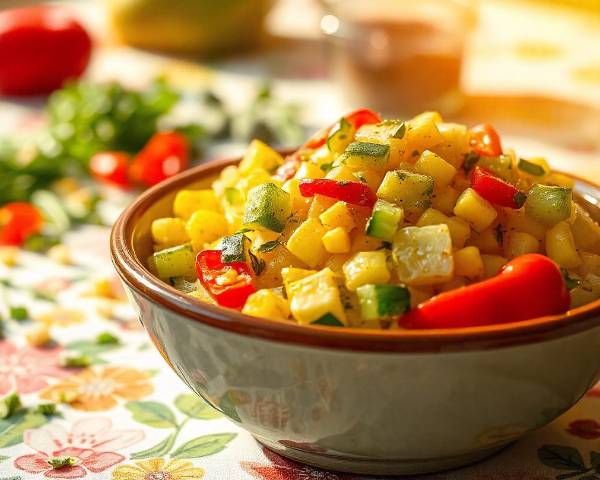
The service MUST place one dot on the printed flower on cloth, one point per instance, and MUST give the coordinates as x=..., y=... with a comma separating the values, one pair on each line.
x=61, y=317
x=157, y=469
x=27, y=369
x=91, y=441
x=100, y=388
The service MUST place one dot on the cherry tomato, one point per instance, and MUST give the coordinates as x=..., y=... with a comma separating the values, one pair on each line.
x=165, y=155
x=40, y=48
x=111, y=168
x=18, y=221
x=485, y=140
x=361, y=117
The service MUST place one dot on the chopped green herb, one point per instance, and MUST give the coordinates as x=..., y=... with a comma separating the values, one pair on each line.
x=361, y=177
x=531, y=168
x=10, y=405
x=258, y=264
x=76, y=361
x=500, y=231
x=46, y=409
x=470, y=161
x=570, y=282
x=244, y=230
x=269, y=246
x=326, y=167
x=19, y=313
x=62, y=461
x=107, y=338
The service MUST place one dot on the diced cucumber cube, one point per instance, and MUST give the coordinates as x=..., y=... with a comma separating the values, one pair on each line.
x=267, y=207
x=383, y=301
x=384, y=220
x=549, y=204
x=235, y=248
x=176, y=261
x=366, y=155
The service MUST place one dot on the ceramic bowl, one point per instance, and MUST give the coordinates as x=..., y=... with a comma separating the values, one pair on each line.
x=361, y=401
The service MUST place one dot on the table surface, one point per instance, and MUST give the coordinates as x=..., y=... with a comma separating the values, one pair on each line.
x=128, y=417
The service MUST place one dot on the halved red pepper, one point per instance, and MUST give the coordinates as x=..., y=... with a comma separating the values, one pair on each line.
x=356, y=193
x=485, y=141
x=230, y=284
x=496, y=190
x=528, y=287
x=357, y=119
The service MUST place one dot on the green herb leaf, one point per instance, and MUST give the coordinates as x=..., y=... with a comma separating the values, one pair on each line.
x=531, y=168
x=258, y=264
x=46, y=409
x=153, y=414
x=204, y=446
x=75, y=361
x=470, y=161
x=326, y=167
x=193, y=406
x=19, y=313
x=570, y=282
x=561, y=457
x=107, y=338
x=13, y=427
x=160, y=449
x=269, y=246
x=10, y=405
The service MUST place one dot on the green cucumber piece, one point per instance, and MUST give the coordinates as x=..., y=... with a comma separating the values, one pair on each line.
x=267, y=207
x=548, y=204
x=381, y=132
x=412, y=191
x=328, y=319
x=366, y=154
x=501, y=166
x=340, y=136
x=383, y=301
x=176, y=261
x=384, y=221
x=235, y=248
x=531, y=168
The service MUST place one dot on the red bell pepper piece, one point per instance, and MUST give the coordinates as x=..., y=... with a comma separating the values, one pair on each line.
x=530, y=286
x=485, y=141
x=495, y=190
x=230, y=284
x=111, y=168
x=18, y=221
x=166, y=154
x=355, y=193
x=357, y=119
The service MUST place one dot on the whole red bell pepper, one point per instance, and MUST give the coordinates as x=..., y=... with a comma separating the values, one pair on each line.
x=229, y=284
x=356, y=193
x=495, y=190
x=528, y=287
x=357, y=119
x=40, y=48
x=485, y=141
x=18, y=221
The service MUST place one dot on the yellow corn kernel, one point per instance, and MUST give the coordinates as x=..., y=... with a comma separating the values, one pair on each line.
x=306, y=244
x=169, y=232
x=475, y=209
x=259, y=155
x=435, y=166
x=468, y=263
x=338, y=215
x=267, y=304
x=205, y=226
x=492, y=265
x=309, y=170
x=459, y=229
x=444, y=199
x=520, y=243
x=38, y=335
x=337, y=241
x=560, y=246
x=188, y=201
x=366, y=267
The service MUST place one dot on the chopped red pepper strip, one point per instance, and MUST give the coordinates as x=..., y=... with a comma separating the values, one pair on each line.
x=485, y=141
x=530, y=286
x=18, y=221
x=355, y=193
x=229, y=284
x=495, y=190
x=357, y=119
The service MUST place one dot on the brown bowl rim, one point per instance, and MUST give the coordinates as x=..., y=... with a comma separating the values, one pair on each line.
x=134, y=273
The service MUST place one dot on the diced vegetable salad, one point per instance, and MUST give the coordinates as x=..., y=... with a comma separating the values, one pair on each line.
x=384, y=224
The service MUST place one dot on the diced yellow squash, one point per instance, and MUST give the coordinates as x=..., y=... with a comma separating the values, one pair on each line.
x=518, y=220
x=389, y=132
x=489, y=241
x=459, y=229
x=475, y=210
x=587, y=292
x=292, y=274
x=188, y=201
x=423, y=255
x=444, y=199
x=590, y=264
x=585, y=230
x=492, y=265
x=309, y=170
x=560, y=246
x=435, y=166
x=322, y=156
x=299, y=203
x=205, y=226
x=306, y=244
x=370, y=177
x=169, y=231
x=422, y=133
x=338, y=215
x=267, y=304
x=454, y=145
x=429, y=116
x=315, y=297
x=411, y=191
x=366, y=267
x=319, y=204
x=255, y=177
x=260, y=155
x=520, y=243
x=468, y=263
x=337, y=241
x=341, y=173
x=228, y=177
x=364, y=243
